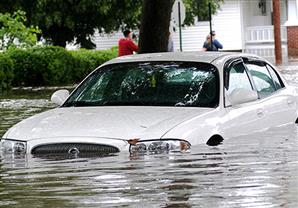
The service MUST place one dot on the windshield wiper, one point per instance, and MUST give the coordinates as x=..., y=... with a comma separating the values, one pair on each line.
x=120, y=103
x=81, y=104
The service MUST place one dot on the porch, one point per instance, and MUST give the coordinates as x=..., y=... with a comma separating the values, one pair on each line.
x=260, y=40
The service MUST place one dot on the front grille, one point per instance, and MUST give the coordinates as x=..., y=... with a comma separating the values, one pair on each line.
x=77, y=148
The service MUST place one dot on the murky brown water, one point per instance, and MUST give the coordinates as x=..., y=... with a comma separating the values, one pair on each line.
x=256, y=171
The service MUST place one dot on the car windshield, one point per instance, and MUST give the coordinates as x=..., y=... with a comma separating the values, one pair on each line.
x=183, y=84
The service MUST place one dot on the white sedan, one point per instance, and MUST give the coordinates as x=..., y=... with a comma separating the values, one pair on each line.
x=159, y=102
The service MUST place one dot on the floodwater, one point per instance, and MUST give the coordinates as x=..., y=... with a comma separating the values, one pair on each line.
x=259, y=170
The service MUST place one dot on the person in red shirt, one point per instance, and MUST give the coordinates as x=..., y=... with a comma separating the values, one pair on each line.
x=126, y=44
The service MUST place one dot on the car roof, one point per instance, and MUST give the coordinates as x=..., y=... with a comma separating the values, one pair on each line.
x=194, y=56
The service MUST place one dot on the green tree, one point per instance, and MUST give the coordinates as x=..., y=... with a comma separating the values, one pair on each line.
x=64, y=21
x=69, y=20
x=14, y=33
x=199, y=9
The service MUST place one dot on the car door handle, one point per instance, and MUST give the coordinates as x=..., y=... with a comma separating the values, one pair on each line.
x=260, y=112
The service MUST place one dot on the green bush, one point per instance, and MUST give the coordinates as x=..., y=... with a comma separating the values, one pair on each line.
x=58, y=65
x=88, y=60
x=25, y=72
x=6, y=72
x=42, y=66
x=48, y=66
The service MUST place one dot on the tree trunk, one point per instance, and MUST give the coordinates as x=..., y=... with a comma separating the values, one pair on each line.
x=59, y=42
x=85, y=41
x=155, y=23
x=59, y=35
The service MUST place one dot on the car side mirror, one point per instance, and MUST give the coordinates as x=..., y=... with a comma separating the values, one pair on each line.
x=241, y=95
x=59, y=97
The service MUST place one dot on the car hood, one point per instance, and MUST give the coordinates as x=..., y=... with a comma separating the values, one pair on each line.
x=106, y=122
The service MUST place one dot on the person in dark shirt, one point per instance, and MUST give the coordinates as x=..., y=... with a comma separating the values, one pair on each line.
x=126, y=44
x=215, y=43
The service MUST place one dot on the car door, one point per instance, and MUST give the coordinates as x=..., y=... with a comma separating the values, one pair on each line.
x=242, y=118
x=279, y=104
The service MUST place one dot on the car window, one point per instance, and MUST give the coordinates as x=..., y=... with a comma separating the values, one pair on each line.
x=96, y=91
x=262, y=79
x=150, y=84
x=276, y=79
x=236, y=77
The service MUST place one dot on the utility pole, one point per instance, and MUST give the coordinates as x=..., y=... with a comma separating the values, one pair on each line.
x=179, y=20
x=210, y=24
x=277, y=36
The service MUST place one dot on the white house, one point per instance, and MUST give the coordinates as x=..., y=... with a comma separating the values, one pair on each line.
x=240, y=25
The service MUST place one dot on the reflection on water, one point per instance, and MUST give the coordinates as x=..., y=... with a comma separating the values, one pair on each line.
x=20, y=104
x=256, y=171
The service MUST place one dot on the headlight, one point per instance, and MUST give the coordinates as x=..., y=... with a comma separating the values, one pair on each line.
x=158, y=146
x=13, y=146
